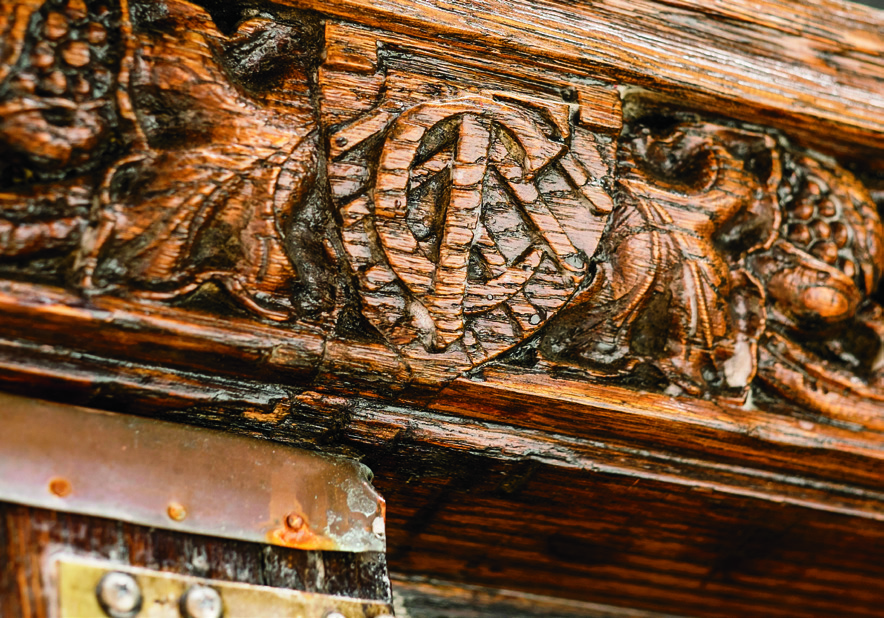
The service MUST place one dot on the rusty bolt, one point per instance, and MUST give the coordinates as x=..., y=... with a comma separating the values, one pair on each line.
x=60, y=487
x=176, y=511
x=201, y=602
x=294, y=522
x=119, y=595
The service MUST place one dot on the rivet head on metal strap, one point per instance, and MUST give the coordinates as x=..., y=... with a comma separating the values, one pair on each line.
x=201, y=602
x=119, y=595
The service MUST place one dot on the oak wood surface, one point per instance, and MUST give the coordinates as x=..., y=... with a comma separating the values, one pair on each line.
x=428, y=208
x=416, y=596
x=593, y=288
x=814, y=66
x=679, y=522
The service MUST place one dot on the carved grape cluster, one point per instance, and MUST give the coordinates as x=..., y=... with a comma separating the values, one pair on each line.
x=71, y=52
x=823, y=222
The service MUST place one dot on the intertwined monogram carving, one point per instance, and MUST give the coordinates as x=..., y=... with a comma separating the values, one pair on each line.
x=463, y=235
x=447, y=211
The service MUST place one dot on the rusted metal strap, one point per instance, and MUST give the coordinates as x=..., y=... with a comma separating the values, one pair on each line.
x=184, y=478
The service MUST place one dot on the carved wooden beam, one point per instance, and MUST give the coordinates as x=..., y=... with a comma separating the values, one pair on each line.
x=639, y=237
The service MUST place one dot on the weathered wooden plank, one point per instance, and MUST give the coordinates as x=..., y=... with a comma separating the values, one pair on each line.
x=552, y=271
x=637, y=509
x=803, y=63
x=427, y=598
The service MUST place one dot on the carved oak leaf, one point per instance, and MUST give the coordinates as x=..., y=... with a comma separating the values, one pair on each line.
x=669, y=289
x=227, y=143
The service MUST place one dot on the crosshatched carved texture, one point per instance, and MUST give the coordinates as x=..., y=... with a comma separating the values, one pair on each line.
x=468, y=213
x=449, y=206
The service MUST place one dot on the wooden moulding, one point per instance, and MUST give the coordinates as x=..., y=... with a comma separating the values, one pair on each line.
x=593, y=289
x=512, y=481
x=814, y=68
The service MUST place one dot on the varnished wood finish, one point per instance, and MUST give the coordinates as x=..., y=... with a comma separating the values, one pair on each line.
x=344, y=203
x=438, y=599
x=813, y=66
x=593, y=289
x=649, y=503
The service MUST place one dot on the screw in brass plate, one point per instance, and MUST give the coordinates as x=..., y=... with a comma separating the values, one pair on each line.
x=119, y=595
x=201, y=602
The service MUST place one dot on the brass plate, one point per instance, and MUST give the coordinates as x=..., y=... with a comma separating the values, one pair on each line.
x=78, y=579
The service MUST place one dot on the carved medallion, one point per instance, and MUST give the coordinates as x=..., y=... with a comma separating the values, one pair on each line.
x=469, y=227
x=439, y=209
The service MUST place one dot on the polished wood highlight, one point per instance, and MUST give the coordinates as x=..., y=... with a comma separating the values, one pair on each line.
x=593, y=288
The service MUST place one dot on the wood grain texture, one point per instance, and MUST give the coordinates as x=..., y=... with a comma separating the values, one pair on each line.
x=429, y=598
x=712, y=527
x=595, y=495
x=406, y=210
x=812, y=64
x=593, y=288
x=382, y=197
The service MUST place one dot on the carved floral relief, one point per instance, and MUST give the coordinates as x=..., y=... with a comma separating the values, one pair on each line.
x=732, y=259
x=218, y=159
x=312, y=171
x=201, y=146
